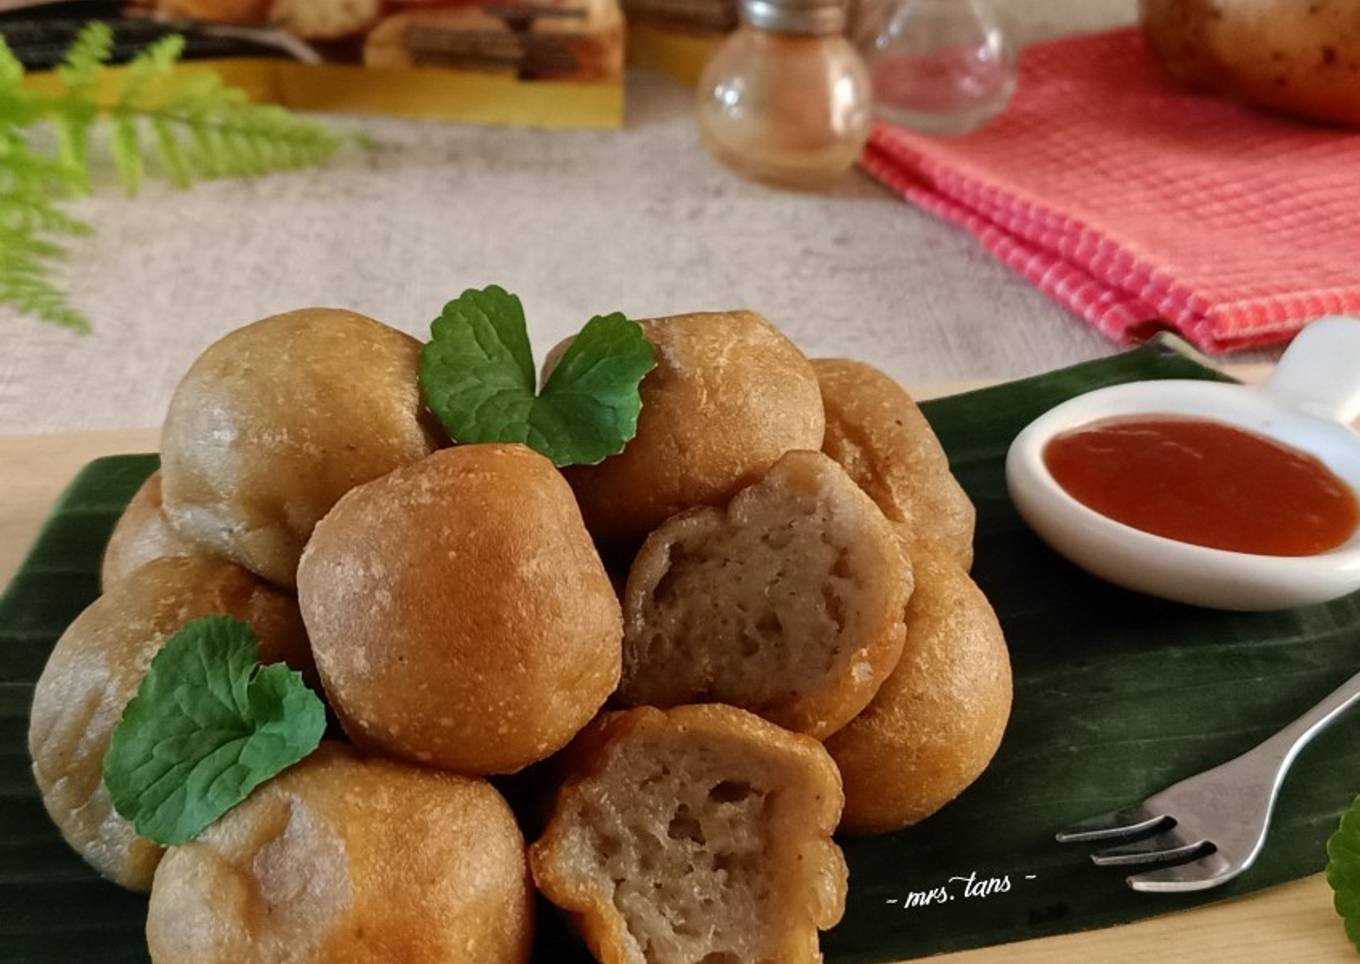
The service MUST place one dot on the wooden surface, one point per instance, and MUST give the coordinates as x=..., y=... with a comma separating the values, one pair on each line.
x=1291, y=924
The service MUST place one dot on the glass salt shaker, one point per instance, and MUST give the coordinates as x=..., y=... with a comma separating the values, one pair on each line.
x=938, y=66
x=786, y=98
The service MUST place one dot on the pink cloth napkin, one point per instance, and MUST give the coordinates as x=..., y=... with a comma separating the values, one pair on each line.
x=1141, y=206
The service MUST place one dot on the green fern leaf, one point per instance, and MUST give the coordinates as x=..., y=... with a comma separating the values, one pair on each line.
x=86, y=57
x=80, y=73
x=171, y=153
x=146, y=67
x=133, y=104
x=25, y=283
x=11, y=71
x=207, y=155
x=25, y=210
x=127, y=150
x=17, y=106
x=200, y=129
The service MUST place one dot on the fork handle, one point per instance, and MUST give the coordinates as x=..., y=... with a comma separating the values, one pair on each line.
x=1286, y=744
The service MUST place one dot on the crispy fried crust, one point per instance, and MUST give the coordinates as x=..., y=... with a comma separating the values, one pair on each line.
x=879, y=436
x=343, y=860
x=142, y=534
x=700, y=830
x=728, y=397
x=95, y=669
x=276, y=421
x=788, y=603
x=936, y=723
x=459, y=612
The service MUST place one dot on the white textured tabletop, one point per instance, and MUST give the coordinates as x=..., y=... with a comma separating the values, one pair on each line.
x=578, y=223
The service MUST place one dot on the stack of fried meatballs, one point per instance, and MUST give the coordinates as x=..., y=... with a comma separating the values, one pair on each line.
x=752, y=628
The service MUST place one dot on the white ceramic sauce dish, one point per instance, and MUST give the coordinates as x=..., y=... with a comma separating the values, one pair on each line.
x=1309, y=403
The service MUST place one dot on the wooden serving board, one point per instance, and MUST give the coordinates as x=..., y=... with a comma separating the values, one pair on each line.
x=1293, y=922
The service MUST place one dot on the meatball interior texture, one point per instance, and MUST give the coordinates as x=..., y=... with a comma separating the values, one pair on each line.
x=460, y=614
x=729, y=396
x=276, y=421
x=700, y=833
x=95, y=669
x=938, y=720
x=344, y=860
x=878, y=435
x=788, y=603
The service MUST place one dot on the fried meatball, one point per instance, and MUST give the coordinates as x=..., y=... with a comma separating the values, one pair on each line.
x=95, y=669
x=344, y=860
x=276, y=421
x=936, y=723
x=459, y=613
x=142, y=534
x=879, y=436
x=728, y=397
x=700, y=833
x=788, y=603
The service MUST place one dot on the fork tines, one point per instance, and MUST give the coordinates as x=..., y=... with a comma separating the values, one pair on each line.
x=1152, y=838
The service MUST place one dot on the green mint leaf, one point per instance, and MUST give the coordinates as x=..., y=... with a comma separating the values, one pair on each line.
x=208, y=725
x=477, y=373
x=1343, y=870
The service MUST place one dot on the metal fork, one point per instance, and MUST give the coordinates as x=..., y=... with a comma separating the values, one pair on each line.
x=1212, y=826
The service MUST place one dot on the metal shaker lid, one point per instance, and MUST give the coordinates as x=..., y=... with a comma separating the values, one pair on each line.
x=810, y=17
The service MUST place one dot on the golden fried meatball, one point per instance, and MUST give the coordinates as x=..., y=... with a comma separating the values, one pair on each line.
x=878, y=435
x=459, y=613
x=728, y=397
x=95, y=669
x=788, y=603
x=345, y=860
x=279, y=419
x=700, y=833
x=142, y=534
x=938, y=720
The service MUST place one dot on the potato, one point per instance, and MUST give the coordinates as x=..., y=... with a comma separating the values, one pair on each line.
x=142, y=534
x=459, y=613
x=95, y=669
x=788, y=603
x=879, y=436
x=700, y=833
x=728, y=397
x=1297, y=56
x=276, y=421
x=343, y=860
x=938, y=720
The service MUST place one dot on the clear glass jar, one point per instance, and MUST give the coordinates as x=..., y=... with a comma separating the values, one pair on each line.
x=939, y=66
x=788, y=108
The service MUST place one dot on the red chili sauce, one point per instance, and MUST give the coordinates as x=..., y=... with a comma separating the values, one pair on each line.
x=1203, y=482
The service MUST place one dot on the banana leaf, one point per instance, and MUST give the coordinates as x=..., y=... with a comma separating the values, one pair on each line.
x=1116, y=696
